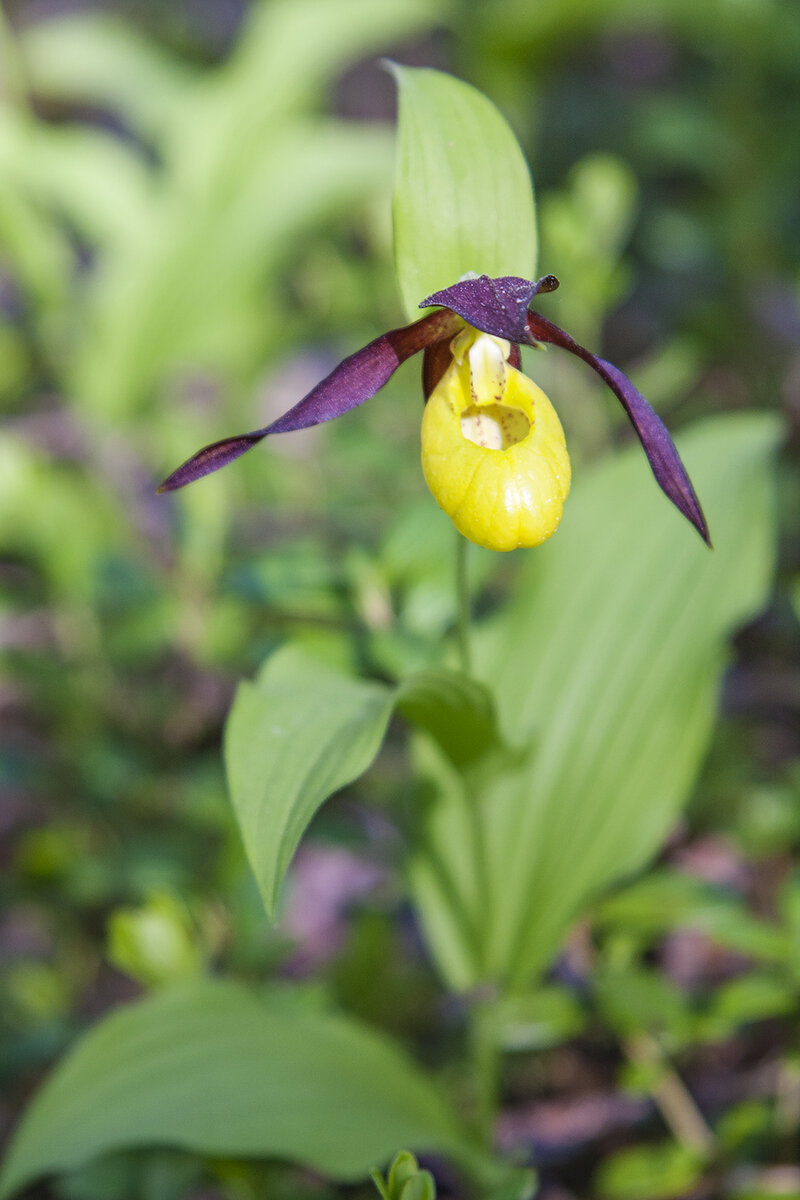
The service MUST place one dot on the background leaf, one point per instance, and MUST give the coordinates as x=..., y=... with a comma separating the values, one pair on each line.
x=106, y=62
x=463, y=199
x=213, y=1067
x=246, y=171
x=609, y=662
x=659, y=1171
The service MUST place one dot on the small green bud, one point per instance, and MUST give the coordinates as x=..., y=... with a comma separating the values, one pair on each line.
x=405, y=1180
x=380, y=1184
x=404, y=1168
x=155, y=944
x=420, y=1187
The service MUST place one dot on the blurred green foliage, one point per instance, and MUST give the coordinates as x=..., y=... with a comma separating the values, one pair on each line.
x=193, y=229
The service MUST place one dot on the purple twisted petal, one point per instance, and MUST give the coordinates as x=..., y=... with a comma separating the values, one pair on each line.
x=353, y=381
x=659, y=447
x=495, y=306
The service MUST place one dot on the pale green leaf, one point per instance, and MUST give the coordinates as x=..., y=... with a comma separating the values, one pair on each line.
x=463, y=198
x=608, y=664
x=302, y=731
x=214, y=1068
x=293, y=738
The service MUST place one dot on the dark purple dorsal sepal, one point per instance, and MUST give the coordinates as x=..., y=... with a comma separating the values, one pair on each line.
x=662, y=454
x=495, y=306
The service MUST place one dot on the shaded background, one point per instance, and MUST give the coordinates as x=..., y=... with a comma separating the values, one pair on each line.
x=194, y=228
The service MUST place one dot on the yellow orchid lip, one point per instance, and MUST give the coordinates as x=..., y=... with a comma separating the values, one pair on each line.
x=493, y=450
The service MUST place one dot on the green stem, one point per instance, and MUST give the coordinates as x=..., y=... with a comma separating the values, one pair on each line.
x=485, y=1065
x=462, y=604
x=672, y=1098
x=484, y=1054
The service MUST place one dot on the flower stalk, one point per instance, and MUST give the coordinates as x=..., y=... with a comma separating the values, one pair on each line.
x=463, y=605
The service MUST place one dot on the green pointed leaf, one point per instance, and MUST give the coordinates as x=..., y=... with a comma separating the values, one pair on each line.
x=421, y=1187
x=303, y=731
x=463, y=198
x=294, y=737
x=608, y=663
x=213, y=1068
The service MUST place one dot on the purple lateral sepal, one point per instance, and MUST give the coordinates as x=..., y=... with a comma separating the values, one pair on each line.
x=209, y=459
x=495, y=306
x=659, y=447
x=355, y=380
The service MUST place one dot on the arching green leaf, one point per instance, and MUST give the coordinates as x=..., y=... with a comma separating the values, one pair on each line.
x=215, y=1068
x=302, y=731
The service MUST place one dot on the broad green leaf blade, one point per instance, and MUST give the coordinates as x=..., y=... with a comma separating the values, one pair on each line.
x=612, y=658
x=213, y=1068
x=302, y=731
x=609, y=663
x=463, y=198
x=294, y=737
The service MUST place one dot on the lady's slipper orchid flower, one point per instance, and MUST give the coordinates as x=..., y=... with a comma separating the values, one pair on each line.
x=493, y=450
